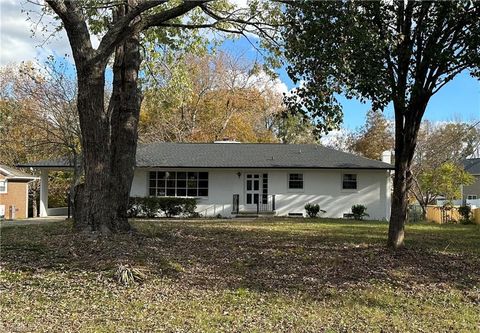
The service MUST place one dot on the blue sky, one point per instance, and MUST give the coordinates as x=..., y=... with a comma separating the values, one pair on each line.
x=458, y=100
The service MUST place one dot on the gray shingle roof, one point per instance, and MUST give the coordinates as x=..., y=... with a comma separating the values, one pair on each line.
x=15, y=173
x=472, y=165
x=239, y=155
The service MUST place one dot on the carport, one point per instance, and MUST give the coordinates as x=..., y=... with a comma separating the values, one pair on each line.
x=44, y=167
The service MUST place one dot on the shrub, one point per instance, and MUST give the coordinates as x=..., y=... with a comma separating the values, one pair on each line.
x=170, y=206
x=359, y=212
x=149, y=206
x=313, y=210
x=465, y=211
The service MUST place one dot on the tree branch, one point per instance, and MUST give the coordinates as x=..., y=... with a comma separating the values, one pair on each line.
x=77, y=31
x=125, y=28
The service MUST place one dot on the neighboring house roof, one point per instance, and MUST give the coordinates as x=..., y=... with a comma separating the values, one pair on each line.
x=472, y=165
x=11, y=173
x=240, y=155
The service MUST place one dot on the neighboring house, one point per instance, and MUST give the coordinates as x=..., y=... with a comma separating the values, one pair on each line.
x=233, y=178
x=472, y=192
x=14, y=193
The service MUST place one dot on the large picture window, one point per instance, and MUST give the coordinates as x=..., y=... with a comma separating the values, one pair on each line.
x=178, y=184
x=295, y=181
x=349, y=181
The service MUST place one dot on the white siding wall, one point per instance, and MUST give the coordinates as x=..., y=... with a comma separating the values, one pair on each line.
x=323, y=187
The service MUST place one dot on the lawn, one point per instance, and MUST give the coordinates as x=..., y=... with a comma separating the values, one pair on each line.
x=285, y=275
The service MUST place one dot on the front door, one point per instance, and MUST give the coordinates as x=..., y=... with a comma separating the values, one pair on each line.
x=252, y=190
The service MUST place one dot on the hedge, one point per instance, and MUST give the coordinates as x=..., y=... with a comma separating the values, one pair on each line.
x=152, y=206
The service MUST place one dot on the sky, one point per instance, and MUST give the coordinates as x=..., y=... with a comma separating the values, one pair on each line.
x=20, y=40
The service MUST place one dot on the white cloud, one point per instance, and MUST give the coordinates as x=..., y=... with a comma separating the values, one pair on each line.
x=22, y=39
x=263, y=81
x=337, y=139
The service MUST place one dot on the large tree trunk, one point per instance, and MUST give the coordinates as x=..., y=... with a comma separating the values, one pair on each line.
x=109, y=139
x=124, y=110
x=407, y=125
x=396, y=231
x=96, y=200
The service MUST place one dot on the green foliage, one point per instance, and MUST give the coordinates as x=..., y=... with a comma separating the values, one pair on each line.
x=466, y=212
x=445, y=180
x=359, y=212
x=313, y=210
x=379, y=51
x=150, y=207
x=294, y=128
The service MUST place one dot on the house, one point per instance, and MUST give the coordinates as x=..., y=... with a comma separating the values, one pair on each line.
x=14, y=193
x=230, y=178
x=472, y=192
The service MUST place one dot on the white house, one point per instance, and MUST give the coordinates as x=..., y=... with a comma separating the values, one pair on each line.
x=234, y=178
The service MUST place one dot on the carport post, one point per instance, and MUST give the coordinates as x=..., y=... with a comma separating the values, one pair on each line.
x=44, y=193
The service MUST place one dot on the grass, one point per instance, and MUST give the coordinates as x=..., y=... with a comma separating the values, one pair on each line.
x=286, y=275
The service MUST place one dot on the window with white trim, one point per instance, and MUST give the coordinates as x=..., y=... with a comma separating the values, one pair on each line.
x=178, y=184
x=349, y=181
x=3, y=186
x=472, y=197
x=295, y=181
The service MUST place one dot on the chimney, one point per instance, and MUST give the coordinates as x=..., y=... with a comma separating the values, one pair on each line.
x=387, y=156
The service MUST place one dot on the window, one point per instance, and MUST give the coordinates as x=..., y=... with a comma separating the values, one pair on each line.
x=295, y=181
x=3, y=186
x=349, y=181
x=178, y=184
x=469, y=197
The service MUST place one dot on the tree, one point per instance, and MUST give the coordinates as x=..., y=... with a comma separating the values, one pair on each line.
x=207, y=98
x=374, y=137
x=399, y=52
x=446, y=180
x=109, y=134
x=294, y=128
x=39, y=119
x=438, y=144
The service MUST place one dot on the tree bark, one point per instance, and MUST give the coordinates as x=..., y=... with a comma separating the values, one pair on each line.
x=396, y=230
x=407, y=125
x=124, y=111
x=96, y=204
x=109, y=139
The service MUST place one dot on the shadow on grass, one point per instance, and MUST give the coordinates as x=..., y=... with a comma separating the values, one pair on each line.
x=259, y=255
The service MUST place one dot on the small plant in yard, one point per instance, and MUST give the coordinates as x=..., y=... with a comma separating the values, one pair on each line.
x=313, y=210
x=465, y=212
x=359, y=212
x=126, y=275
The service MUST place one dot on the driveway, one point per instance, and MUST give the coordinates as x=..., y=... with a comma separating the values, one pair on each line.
x=33, y=220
